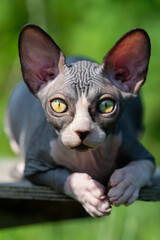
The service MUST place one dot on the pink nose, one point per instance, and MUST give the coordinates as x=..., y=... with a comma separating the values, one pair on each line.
x=82, y=135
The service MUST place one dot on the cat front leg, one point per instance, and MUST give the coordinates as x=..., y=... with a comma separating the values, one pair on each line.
x=80, y=186
x=90, y=193
x=126, y=182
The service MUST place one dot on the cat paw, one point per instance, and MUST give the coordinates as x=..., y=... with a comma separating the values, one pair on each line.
x=124, y=186
x=126, y=182
x=90, y=193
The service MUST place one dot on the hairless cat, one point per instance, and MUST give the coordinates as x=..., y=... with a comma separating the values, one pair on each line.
x=77, y=122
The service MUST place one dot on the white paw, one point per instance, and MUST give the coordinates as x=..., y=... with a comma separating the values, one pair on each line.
x=89, y=192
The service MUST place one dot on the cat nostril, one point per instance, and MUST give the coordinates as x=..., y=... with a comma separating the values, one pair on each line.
x=82, y=135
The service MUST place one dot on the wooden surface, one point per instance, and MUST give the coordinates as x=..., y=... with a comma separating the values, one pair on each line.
x=151, y=192
x=21, y=202
x=25, y=190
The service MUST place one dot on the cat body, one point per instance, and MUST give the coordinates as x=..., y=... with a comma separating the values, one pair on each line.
x=82, y=137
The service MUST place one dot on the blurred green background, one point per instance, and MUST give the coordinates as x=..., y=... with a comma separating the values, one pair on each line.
x=90, y=28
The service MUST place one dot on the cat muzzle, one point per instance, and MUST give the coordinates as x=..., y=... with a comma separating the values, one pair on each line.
x=82, y=148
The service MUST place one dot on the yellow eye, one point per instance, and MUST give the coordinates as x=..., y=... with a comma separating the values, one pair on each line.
x=58, y=105
x=106, y=106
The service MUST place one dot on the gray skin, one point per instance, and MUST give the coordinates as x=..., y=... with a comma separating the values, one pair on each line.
x=82, y=150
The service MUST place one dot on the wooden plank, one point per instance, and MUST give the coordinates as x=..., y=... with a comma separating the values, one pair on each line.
x=151, y=192
x=26, y=190
x=22, y=202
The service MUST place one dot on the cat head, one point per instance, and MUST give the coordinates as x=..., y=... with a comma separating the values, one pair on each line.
x=83, y=100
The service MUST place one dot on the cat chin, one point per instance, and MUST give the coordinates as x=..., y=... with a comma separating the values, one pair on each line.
x=82, y=148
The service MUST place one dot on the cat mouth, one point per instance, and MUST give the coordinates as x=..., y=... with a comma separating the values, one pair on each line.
x=82, y=148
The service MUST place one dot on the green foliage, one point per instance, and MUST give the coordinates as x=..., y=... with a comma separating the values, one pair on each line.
x=90, y=28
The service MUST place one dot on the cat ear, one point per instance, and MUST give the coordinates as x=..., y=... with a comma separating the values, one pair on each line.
x=126, y=64
x=41, y=59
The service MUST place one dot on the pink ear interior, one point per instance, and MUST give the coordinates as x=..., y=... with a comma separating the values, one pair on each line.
x=39, y=56
x=127, y=62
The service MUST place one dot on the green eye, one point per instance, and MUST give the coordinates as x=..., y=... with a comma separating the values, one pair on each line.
x=58, y=105
x=106, y=106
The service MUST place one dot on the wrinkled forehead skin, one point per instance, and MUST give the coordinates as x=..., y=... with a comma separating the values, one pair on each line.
x=82, y=77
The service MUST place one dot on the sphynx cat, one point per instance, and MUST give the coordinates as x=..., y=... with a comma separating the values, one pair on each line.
x=77, y=122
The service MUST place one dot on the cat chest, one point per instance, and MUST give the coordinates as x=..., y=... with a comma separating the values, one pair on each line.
x=98, y=163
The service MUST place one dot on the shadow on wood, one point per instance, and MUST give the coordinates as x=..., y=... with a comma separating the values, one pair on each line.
x=15, y=212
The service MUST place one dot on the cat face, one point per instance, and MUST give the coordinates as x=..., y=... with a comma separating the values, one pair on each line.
x=82, y=104
x=83, y=100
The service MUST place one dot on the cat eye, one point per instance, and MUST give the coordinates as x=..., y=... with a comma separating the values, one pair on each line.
x=106, y=106
x=59, y=106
